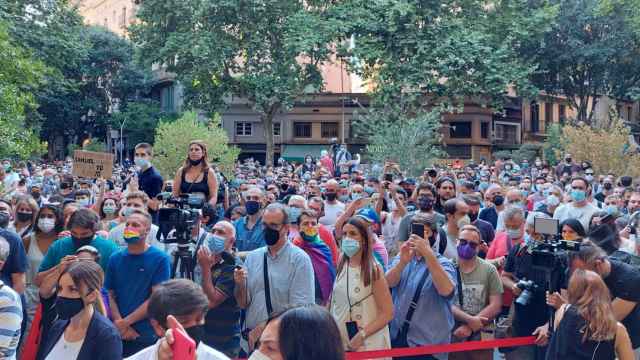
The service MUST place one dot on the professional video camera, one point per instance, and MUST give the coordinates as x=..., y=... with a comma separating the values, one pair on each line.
x=551, y=257
x=175, y=226
x=182, y=218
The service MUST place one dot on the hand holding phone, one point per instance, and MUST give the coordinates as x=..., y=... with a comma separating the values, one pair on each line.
x=183, y=347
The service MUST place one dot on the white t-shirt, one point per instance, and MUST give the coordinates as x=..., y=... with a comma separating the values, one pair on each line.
x=582, y=214
x=331, y=214
x=203, y=352
x=65, y=350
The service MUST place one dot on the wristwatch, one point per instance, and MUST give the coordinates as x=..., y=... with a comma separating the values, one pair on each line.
x=363, y=334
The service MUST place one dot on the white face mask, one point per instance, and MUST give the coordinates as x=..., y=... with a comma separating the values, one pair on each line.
x=46, y=225
x=257, y=355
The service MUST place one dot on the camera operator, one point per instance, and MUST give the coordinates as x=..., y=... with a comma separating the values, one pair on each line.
x=623, y=281
x=530, y=309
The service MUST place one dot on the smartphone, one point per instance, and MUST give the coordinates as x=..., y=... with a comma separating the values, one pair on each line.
x=388, y=177
x=183, y=347
x=352, y=328
x=417, y=229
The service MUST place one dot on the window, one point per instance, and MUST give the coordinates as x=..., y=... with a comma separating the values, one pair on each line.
x=506, y=133
x=484, y=130
x=548, y=113
x=460, y=130
x=167, y=99
x=329, y=130
x=123, y=20
x=562, y=113
x=535, y=117
x=276, y=129
x=302, y=129
x=243, y=128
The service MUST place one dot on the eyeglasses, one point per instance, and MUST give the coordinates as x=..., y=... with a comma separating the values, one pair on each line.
x=465, y=242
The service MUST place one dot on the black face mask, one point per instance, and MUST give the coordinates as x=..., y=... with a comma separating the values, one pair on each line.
x=331, y=196
x=65, y=186
x=498, y=200
x=607, y=186
x=473, y=216
x=80, y=242
x=35, y=195
x=196, y=333
x=425, y=203
x=4, y=220
x=66, y=308
x=24, y=217
x=271, y=236
x=195, y=162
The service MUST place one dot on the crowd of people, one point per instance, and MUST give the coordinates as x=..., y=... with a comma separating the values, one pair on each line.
x=315, y=259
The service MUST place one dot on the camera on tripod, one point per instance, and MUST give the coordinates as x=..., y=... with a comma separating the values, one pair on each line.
x=552, y=253
x=175, y=224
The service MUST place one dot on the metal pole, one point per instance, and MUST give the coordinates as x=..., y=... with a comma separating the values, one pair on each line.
x=122, y=141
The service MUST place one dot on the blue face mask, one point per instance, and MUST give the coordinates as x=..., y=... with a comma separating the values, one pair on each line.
x=578, y=195
x=350, y=246
x=356, y=196
x=143, y=163
x=294, y=214
x=483, y=186
x=215, y=243
x=611, y=209
x=369, y=190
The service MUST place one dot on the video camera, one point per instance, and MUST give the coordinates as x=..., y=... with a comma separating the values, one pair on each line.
x=182, y=218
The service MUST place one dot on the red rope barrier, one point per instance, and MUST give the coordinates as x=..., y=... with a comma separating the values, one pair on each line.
x=447, y=348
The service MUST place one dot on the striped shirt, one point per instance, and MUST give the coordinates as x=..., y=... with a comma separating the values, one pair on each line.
x=10, y=320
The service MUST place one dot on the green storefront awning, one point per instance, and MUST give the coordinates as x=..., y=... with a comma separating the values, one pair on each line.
x=297, y=152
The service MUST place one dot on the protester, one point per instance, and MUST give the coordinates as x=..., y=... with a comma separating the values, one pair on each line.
x=361, y=293
x=249, y=229
x=580, y=207
x=26, y=211
x=423, y=284
x=332, y=207
x=10, y=311
x=275, y=276
x=148, y=179
x=218, y=263
x=572, y=230
x=82, y=331
x=135, y=200
x=132, y=275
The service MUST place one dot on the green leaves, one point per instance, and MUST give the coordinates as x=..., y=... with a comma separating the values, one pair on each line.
x=172, y=141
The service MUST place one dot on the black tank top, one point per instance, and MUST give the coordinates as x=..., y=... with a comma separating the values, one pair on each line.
x=566, y=342
x=194, y=188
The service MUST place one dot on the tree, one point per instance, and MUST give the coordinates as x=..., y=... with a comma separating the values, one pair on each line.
x=607, y=149
x=592, y=49
x=265, y=52
x=412, y=141
x=172, y=143
x=20, y=77
x=141, y=118
x=553, y=144
x=451, y=51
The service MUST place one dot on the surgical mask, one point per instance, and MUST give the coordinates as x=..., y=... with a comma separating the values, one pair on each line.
x=258, y=355
x=84, y=202
x=294, y=214
x=252, y=207
x=350, y=246
x=142, y=163
x=538, y=163
x=517, y=204
x=127, y=211
x=369, y=190
x=66, y=308
x=356, y=196
x=343, y=198
x=589, y=178
x=465, y=220
x=483, y=186
x=466, y=251
x=131, y=235
x=525, y=193
x=611, y=209
x=513, y=234
x=215, y=243
x=4, y=220
x=109, y=210
x=578, y=195
x=553, y=200
x=46, y=225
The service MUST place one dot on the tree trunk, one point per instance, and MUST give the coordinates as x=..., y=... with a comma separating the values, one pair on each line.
x=267, y=122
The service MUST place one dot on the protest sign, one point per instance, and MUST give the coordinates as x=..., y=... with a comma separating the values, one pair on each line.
x=94, y=165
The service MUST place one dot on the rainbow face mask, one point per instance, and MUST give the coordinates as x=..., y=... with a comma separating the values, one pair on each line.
x=131, y=235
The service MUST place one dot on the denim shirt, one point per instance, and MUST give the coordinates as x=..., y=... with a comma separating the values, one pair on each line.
x=432, y=321
x=249, y=239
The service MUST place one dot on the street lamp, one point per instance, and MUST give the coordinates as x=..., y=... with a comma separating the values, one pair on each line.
x=124, y=121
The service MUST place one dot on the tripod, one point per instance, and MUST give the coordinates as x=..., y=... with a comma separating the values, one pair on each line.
x=183, y=262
